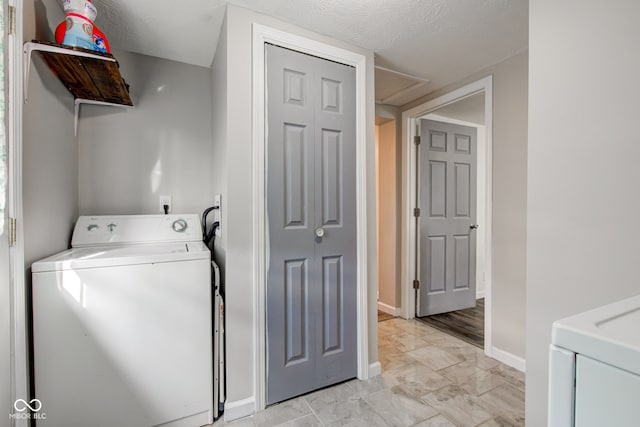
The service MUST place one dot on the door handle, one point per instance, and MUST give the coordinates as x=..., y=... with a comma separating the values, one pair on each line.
x=319, y=232
x=473, y=226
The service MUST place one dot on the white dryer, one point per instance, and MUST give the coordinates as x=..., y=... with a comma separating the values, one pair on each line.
x=594, y=367
x=122, y=325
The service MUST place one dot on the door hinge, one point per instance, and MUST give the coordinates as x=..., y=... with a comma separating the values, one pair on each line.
x=13, y=231
x=416, y=139
x=416, y=284
x=416, y=212
x=12, y=20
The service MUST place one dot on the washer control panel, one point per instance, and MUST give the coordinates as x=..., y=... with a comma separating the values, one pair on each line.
x=132, y=229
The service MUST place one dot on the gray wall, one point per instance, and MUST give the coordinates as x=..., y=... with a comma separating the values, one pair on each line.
x=583, y=239
x=129, y=157
x=219, y=137
x=509, y=198
x=237, y=215
x=50, y=156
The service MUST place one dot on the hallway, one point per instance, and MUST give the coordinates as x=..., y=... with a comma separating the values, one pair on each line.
x=429, y=379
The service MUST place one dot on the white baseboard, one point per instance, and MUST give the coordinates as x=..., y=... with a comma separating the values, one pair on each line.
x=388, y=309
x=510, y=359
x=239, y=409
x=480, y=294
x=375, y=369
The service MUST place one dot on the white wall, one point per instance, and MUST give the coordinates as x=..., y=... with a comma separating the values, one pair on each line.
x=386, y=214
x=509, y=197
x=129, y=157
x=583, y=239
x=237, y=215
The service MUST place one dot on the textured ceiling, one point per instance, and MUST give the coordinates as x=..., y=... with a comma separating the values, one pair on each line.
x=440, y=40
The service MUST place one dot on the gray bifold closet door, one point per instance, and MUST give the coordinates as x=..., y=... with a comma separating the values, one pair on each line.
x=311, y=208
x=448, y=188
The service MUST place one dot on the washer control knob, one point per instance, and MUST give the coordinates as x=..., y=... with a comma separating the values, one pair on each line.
x=179, y=225
x=319, y=232
x=111, y=226
x=92, y=227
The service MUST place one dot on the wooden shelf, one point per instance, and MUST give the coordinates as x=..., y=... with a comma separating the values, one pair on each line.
x=91, y=77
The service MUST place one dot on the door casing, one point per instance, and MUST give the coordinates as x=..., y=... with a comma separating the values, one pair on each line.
x=261, y=35
x=18, y=316
x=408, y=230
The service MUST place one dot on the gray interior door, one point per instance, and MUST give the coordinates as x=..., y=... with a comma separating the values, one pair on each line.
x=447, y=238
x=311, y=208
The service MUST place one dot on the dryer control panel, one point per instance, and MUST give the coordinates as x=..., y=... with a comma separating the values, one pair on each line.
x=136, y=229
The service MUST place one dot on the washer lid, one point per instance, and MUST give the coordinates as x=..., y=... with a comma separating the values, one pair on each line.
x=609, y=334
x=120, y=255
x=134, y=229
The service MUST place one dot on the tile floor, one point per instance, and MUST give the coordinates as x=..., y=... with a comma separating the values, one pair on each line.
x=429, y=379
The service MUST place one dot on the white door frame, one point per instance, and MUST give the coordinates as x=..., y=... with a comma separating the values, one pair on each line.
x=19, y=338
x=408, y=236
x=261, y=35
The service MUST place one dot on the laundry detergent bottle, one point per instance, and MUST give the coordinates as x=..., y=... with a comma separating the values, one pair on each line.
x=80, y=15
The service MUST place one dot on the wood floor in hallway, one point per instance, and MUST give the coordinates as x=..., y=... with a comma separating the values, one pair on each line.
x=382, y=316
x=468, y=324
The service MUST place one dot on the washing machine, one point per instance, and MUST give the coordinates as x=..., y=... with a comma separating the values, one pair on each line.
x=122, y=325
x=594, y=367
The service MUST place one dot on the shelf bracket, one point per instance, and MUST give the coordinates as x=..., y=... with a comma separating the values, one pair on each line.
x=76, y=110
